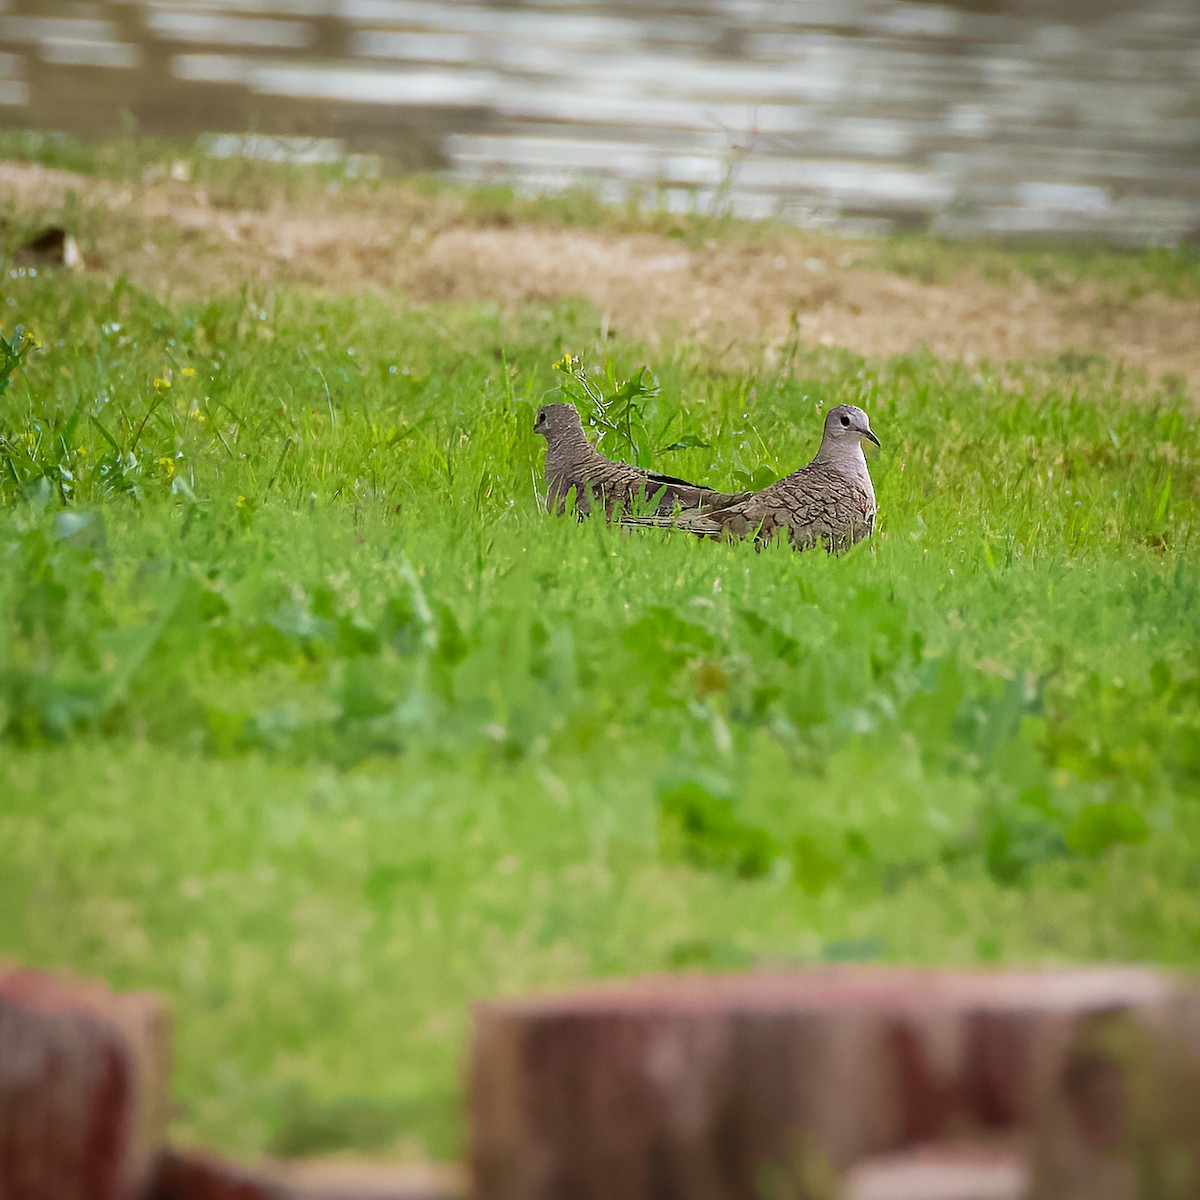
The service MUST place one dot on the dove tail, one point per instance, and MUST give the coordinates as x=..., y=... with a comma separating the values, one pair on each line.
x=691, y=522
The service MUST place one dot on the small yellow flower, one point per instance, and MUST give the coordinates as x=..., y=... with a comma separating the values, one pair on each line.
x=241, y=502
x=167, y=466
x=162, y=383
x=568, y=362
x=188, y=372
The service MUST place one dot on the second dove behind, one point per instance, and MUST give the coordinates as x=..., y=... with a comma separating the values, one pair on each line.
x=573, y=465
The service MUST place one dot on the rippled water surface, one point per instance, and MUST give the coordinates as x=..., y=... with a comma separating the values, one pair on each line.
x=1048, y=116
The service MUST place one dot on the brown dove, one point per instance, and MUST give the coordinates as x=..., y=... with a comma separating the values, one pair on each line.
x=830, y=501
x=572, y=465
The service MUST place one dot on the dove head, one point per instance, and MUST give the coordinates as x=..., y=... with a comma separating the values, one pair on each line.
x=557, y=422
x=845, y=428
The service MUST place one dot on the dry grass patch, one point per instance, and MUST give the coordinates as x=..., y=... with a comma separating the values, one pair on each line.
x=175, y=238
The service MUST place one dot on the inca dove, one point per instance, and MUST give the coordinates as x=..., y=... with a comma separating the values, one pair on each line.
x=571, y=463
x=830, y=501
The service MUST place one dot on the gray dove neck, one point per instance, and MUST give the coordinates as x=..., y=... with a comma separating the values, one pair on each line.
x=842, y=455
x=567, y=446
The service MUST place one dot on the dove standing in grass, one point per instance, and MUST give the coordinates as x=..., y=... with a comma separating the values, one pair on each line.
x=829, y=502
x=571, y=463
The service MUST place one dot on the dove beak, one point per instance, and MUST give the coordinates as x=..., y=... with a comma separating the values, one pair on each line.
x=868, y=434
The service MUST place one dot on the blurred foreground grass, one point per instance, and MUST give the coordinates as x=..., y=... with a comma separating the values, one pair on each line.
x=311, y=718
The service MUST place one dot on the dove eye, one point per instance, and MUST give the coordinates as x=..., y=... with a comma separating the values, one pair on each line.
x=845, y=421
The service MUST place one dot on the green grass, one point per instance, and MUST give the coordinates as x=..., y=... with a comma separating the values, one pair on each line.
x=312, y=719
x=1118, y=275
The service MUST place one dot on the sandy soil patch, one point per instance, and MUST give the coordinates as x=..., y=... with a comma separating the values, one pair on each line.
x=171, y=237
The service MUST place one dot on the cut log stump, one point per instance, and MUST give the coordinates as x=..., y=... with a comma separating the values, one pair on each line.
x=84, y=1088
x=1117, y=1105
x=197, y=1175
x=743, y=1087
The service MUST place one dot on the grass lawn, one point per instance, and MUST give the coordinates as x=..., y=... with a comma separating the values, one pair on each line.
x=311, y=718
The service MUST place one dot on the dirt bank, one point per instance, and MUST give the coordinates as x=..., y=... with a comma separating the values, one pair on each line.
x=173, y=236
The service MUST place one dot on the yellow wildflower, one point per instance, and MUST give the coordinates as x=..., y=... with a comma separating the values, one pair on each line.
x=162, y=383
x=167, y=465
x=188, y=372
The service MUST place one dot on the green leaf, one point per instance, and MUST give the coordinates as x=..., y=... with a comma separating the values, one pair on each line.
x=1098, y=827
x=863, y=949
x=689, y=441
x=698, y=825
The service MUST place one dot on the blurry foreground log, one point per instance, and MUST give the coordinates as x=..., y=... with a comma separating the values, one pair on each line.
x=1117, y=1115
x=84, y=1076
x=196, y=1175
x=762, y=1085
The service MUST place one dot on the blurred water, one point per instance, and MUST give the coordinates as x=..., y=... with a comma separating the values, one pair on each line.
x=985, y=116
